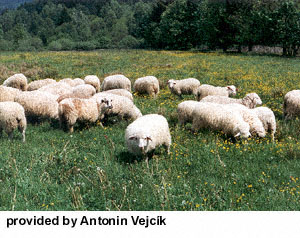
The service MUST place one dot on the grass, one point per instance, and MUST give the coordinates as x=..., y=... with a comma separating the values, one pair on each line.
x=92, y=170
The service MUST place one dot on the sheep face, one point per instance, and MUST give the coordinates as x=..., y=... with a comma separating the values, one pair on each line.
x=251, y=100
x=171, y=83
x=231, y=90
x=141, y=142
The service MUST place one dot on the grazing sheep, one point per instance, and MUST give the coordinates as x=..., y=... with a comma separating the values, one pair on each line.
x=291, y=104
x=18, y=81
x=207, y=90
x=94, y=81
x=122, y=106
x=78, y=81
x=116, y=81
x=76, y=109
x=120, y=92
x=8, y=93
x=250, y=100
x=35, y=85
x=184, y=86
x=81, y=91
x=267, y=117
x=58, y=88
x=216, y=117
x=185, y=111
x=12, y=116
x=148, y=84
x=72, y=82
x=249, y=116
x=146, y=133
x=39, y=104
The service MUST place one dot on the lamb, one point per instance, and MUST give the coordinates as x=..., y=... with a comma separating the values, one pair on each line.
x=122, y=106
x=94, y=81
x=81, y=91
x=116, y=81
x=121, y=92
x=72, y=82
x=76, y=109
x=148, y=84
x=185, y=111
x=18, y=81
x=216, y=117
x=8, y=93
x=291, y=104
x=39, y=104
x=267, y=117
x=146, y=133
x=207, y=90
x=35, y=85
x=249, y=116
x=184, y=86
x=250, y=100
x=58, y=88
x=12, y=116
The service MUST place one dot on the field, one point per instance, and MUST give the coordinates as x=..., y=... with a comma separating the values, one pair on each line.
x=92, y=170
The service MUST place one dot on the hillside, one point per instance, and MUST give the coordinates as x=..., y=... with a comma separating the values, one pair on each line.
x=11, y=3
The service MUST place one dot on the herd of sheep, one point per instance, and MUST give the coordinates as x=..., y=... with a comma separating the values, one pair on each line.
x=72, y=100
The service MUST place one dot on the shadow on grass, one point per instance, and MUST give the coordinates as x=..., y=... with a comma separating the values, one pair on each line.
x=128, y=158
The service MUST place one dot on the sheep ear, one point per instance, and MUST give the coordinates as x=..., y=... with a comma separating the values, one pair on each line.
x=236, y=89
x=132, y=138
x=238, y=134
x=148, y=138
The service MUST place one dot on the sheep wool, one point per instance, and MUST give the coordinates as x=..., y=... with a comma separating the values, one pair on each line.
x=12, y=116
x=206, y=90
x=185, y=111
x=8, y=93
x=184, y=87
x=35, y=85
x=148, y=85
x=116, y=81
x=291, y=104
x=93, y=80
x=72, y=82
x=121, y=92
x=18, y=81
x=146, y=133
x=250, y=100
x=218, y=118
x=267, y=117
x=57, y=89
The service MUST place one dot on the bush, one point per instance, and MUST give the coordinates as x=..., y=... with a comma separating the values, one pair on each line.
x=129, y=42
x=86, y=45
x=30, y=44
x=54, y=45
x=6, y=45
x=67, y=44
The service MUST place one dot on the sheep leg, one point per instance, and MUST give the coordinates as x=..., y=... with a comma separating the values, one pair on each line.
x=71, y=129
x=23, y=135
x=10, y=135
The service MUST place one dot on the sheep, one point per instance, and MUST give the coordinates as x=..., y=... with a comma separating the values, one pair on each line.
x=78, y=81
x=39, y=104
x=249, y=116
x=8, y=93
x=207, y=90
x=148, y=84
x=184, y=86
x=121, y=92
x=291, y=104
x=122, y=106
x=12, y=116
x=58, y=88
x=146, y=133
x=267, y=117
x=116, y=81
x=94, y=81
x=250, y=100
x=35, y=85
x=72, y=82
x=18, y=81
x=81, y=91
x=216, y=117
x=76, y=109
x=185, y=111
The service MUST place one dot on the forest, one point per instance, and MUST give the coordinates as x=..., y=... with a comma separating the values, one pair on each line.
x=158, y=24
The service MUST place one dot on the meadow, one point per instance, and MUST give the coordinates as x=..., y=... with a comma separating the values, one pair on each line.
x=92, y=170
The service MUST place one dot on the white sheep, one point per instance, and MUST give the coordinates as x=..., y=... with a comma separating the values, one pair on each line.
x=185, y=111
x=122, y=106
x=291, y=104
x=58, y=88
x=72, y=82
x=267, y=117
x=39, y=104
x=184, y=87
x=148, y=84
x=249, y=116
x=78, y=81
x=250, y=100
x=121, y=92
x=146, y=133
x=216, y=117
x=77, y=109
x=12, y=116
x=8, y=93
x=81, y=91
x=207, y=90
x=18, y=81
x=35, y=85
x=116, y=81
x=94, y=81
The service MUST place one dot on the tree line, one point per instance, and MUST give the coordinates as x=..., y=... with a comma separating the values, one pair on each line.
x=157, y=24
